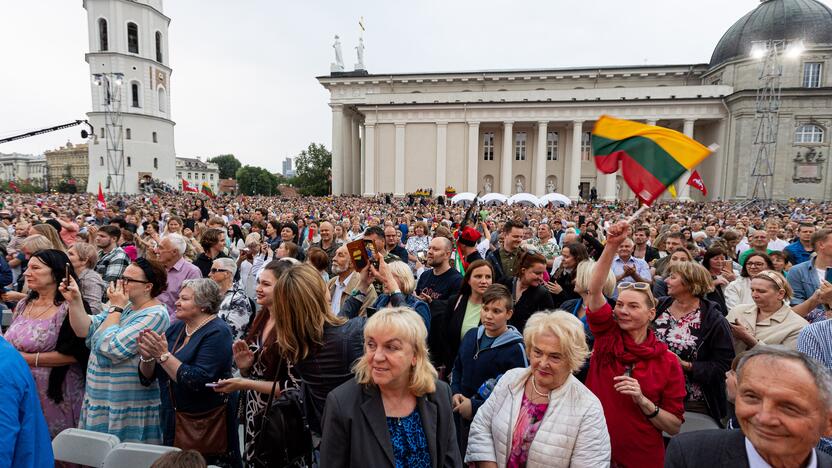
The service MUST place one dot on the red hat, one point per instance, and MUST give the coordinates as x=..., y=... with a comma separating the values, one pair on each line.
x=469, y=236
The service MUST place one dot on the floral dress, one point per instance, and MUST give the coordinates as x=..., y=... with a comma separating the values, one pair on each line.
x=235, y=310
x=528, y=422
x=683, y=338
x=41, y=336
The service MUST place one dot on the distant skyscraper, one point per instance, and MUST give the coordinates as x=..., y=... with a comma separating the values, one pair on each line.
x=287, y=168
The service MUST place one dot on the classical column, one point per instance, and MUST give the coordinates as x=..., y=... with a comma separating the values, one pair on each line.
x=355, y=159
x=441, y=155
x=473, y=157
x=346, y=147
x=573, y=172
x=398, y=179
x=715, y=186
x=682, y=187
x=363, y=156
x=506, y=158
x=540, y=159
x=337, y=173
x=369, y=159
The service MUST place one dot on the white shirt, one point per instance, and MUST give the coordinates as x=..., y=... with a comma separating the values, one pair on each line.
x=340, y=288
x=756, y=461
x=777, y=244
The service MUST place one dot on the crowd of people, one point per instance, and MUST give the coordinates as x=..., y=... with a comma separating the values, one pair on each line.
x=488, y=336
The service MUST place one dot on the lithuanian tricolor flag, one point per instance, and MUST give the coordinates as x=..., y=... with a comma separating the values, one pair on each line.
x=207, y=190
x=651, y=158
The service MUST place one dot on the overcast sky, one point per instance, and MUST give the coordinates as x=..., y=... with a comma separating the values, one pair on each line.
x=244, y=71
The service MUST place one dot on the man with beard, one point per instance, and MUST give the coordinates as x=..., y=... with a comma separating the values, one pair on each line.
x=344, y=280
x=441, y=281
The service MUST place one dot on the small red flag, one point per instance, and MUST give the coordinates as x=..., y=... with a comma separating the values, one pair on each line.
x=102, y=203
x=187, y=188
x=14, y=187
x=696, y=182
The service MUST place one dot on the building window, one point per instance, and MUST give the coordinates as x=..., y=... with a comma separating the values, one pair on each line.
x=103, y=135
x=155, y=163
x=103, y=41
x=162, y=97
x=101, y=161
x=129, y=161
x=811, y=74
x=586, y=146
x=155, y=138
x=808, y=133
x=211, y=177
x=179, y=174
x=189, y=175
x=134, y=94
x=488, y=146
x=158, y=47
x=203, y=176
x=132, y=38
x=128, y=134
x=520, y=146
x=552, y=146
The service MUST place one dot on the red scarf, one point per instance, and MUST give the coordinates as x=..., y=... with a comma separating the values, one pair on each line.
x=621, y=347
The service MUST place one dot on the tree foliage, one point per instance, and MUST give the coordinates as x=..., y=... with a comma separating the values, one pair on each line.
x=312, y=170
x=252, y=180
x=227, y=164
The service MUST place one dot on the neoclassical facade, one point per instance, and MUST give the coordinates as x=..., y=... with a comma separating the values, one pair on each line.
x=529, y=130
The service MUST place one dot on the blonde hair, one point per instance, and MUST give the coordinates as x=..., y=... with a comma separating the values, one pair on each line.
x=36, y=243
x=51, y=234
x=694, y=275
x=564, y=326
x=779, y=281
x=300, y=311
x=583, y=274
x=405, y=324
x=404, y=275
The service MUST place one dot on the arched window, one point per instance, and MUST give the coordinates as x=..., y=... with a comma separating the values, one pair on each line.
x=132, y=38
x=158, y=47
x=103, y=41
x=134, y=95
x=162, y=98
x=129, y=161
x=808, y=133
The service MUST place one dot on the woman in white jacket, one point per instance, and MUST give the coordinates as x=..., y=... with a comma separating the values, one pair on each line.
x=543, y=416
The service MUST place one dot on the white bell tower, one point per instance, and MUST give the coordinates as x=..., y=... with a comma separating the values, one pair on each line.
x=130, y=82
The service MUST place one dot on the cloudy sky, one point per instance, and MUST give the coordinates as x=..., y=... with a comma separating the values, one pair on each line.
x=244, y=71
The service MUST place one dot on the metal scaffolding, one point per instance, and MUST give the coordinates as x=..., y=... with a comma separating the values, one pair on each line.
x=767, y=115
x=110, y=85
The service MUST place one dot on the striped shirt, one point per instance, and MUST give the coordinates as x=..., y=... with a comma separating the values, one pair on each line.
x=115, y=401
x=815, y=341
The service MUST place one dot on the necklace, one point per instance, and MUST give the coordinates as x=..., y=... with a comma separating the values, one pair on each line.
x=200, y=326
x=539, y=393
x=41, y=313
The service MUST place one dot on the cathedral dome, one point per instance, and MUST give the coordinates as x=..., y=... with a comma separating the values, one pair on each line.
x=807, y=20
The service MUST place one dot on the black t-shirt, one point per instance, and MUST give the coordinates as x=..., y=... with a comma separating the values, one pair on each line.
x=439, y=287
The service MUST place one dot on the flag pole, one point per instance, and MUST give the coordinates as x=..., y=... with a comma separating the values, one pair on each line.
x=638, y=213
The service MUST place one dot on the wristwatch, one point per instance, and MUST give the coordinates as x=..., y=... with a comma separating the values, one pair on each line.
x=164, y=357
x=116, y=309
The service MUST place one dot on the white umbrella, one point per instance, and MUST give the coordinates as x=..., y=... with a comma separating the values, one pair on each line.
x=494, y=198
x=524, y=198
x=464, y=197
x=555, y=198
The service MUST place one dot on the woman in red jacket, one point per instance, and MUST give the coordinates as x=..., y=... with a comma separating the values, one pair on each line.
x=639, y=382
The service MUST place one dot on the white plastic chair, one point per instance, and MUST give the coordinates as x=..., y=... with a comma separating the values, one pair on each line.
x=7, y=317
x=83, y=447
x=133, y=455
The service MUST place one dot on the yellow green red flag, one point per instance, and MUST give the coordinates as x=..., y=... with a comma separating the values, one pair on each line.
x=651, y=158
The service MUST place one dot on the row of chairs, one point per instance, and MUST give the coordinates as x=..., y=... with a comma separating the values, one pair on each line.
x=99, y=450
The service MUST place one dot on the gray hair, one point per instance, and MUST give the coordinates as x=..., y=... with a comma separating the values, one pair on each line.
x=178, y=242
x=820, y=374
x=206, y=294
x=227, y=264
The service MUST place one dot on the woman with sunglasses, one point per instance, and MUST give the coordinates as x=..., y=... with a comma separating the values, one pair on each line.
x=236, y=309
x=640, y=384
x=115, y=401
x=769, y=320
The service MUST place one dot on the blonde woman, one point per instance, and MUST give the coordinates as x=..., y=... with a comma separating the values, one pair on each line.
x=50, y=233
x=543, y=415
x=395, y=412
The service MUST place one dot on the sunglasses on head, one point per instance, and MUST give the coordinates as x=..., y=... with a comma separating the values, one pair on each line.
x=640, y=286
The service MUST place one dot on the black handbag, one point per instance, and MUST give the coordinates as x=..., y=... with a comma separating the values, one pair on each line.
x=284, y=439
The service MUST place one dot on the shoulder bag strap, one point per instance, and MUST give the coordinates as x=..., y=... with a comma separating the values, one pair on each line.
x=271, y=398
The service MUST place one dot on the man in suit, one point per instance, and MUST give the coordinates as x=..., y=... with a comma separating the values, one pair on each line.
x=783, y=406
x=344, y=280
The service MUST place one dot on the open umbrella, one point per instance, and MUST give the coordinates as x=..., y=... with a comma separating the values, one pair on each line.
x=464, y=197
x=555, y=198
x=524, y=199
x=494, y=199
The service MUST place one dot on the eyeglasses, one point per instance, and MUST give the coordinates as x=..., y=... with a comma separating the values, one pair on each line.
x=218, y=270
x=755, y=264
x=637, y=286
x=127, y=280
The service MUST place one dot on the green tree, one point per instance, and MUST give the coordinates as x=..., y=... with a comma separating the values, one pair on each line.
x=312, y=170
x=227, y=164
x=253, y=180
